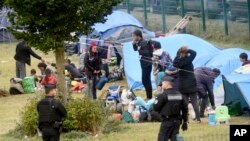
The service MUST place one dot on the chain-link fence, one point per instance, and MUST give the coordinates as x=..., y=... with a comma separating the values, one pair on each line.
x=215, y=18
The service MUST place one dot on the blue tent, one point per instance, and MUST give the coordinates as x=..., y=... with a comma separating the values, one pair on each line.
x=119, y=30
x=208, y=55
x=227, y=61
x=236, y=87
x=205, y=52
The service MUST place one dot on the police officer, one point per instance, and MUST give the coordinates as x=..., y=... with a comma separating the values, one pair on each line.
x=173, y=109
x=50, y=114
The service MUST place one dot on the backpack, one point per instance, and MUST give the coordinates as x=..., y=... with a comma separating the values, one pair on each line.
x=127, y=117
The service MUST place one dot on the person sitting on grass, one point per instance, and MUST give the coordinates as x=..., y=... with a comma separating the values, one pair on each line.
x=49, y=78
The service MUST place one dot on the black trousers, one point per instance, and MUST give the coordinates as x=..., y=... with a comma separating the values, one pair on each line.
x=169, y=129
x=50, y=134
x=194, y=101
x=204, y=103
x=146, y=80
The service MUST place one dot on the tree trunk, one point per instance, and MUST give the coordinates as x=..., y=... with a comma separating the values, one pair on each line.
x=60, y=63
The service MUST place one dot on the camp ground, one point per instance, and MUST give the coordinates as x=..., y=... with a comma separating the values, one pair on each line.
x=231, y=88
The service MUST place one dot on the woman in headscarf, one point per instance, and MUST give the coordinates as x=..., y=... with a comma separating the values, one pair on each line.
x=92, y=62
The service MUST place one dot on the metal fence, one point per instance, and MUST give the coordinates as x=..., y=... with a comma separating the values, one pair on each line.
x=220, y=17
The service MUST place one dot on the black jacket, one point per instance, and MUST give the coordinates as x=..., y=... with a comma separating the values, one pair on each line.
x=205, y=80
x=187, y=81
x=92, y=63
x=145, y=52
x=50, y=110
x=171, y=104
x=23, y=53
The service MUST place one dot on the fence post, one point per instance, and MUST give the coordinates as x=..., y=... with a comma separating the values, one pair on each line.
x=203, y=16
x=128, y=7
x=225, y=17
x=145, y=12
x=163, y=17
x=182, y=8
x=248, y=3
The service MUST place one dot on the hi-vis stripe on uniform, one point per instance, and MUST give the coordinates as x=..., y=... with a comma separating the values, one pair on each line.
x=174, y=97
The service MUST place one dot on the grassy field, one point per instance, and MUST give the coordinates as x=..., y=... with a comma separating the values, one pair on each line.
x=11, y=106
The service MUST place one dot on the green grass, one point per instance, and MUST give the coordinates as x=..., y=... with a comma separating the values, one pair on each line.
x=11, y=106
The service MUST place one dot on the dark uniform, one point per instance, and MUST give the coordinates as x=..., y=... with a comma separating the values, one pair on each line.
x=146, y=54
x=173, y=109
x=50, y=113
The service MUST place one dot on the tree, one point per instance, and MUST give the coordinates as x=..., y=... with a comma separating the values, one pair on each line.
x=50, y=23
x=1, y=3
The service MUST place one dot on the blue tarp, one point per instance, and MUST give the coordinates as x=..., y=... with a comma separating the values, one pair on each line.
x=112, y=24
x=205, y=52
x=237, y=88
x=208, y=55
x=227, y=61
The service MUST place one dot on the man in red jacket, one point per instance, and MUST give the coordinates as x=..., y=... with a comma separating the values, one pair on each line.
x=22, y=57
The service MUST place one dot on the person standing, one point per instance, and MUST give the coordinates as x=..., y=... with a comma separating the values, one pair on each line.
x=104, y=54
x=22, y=57
x=205, y=81
x=187, y=82
x=50, y=114
x=92, y=62
x=244, y=59
x=173, y=109
x=146, y=53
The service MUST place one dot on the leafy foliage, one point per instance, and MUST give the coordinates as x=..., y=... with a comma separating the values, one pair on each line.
x=50, y=22
x=1, y=3
x=83, y=115
x=29, y=117
x=86, y=115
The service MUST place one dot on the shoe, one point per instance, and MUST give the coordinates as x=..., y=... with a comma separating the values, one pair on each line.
x=197, y=121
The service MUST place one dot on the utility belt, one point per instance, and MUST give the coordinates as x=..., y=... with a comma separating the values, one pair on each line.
x=55, y=125
x=171, y=118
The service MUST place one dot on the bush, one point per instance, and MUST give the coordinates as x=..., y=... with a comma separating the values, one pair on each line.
x=29, y=117
x=110, y=126
x=86, y=115
x=83, y=114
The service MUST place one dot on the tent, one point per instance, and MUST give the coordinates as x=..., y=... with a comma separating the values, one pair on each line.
x=5, y=35
x=208, y=55
x=227, y=61
x=171, y=44
x=119, y=30
x=236, y=87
